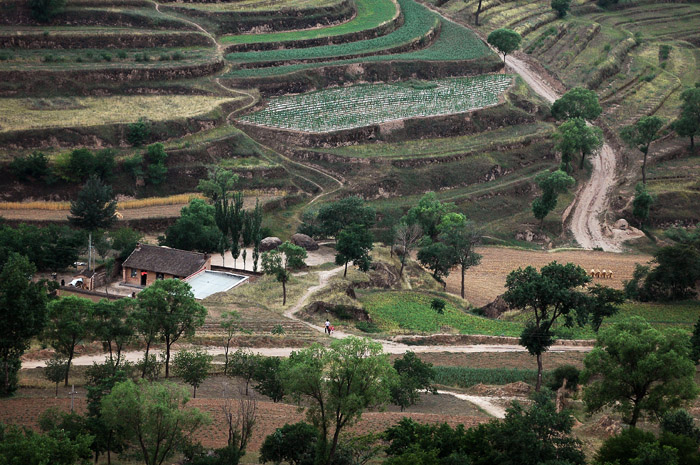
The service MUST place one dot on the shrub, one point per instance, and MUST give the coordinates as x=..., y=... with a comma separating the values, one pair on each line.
x=367, y=327
x=5, y=56
x=138, y=132
x=664, y=52
x=680, y=422
x=178, y=56
x=561, y=7
x=44, y=10
x=106, y=56
x=34, y=166
x=122, y=54
x=568, y=372
x=164, y=57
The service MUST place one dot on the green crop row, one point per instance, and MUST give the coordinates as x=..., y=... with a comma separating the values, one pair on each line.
x=411, y=311
x=465, y=377
x=454, y=43
x=363, y=105
x=418, y=22
x=370, y=14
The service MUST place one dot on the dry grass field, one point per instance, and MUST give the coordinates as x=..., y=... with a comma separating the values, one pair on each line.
x=20, y=113
x=485, y=282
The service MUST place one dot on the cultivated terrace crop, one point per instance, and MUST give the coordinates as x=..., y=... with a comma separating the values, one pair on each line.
x=362, y=105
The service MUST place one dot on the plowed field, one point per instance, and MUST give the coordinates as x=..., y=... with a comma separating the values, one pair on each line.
x=485, y=282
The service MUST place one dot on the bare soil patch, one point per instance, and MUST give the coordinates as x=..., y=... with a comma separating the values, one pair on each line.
x=485, y=282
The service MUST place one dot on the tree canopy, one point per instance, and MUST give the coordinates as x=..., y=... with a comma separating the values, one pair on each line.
x=153, y=417
x=640, y=135
x=636, y=369
x=22, y=315
x=196, y=229
x=69, y=323
x=547, y=296
x=461, y=237
x=688, y=123
x=95, y=207
x=334, y=217
x=337, y=384
x=281, y=261
x=174, y=311
x=552, y=184
x=428, y=213
x=577, y=103
x=505, y=40
x=353, y=245
x=576, y=137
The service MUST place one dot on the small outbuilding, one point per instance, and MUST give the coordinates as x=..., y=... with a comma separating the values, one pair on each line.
x=148, y=263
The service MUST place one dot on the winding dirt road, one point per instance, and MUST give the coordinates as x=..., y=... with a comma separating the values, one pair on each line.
x=586, y=214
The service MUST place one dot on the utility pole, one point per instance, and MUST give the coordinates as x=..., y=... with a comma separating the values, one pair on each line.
x=90, y=251
x=72, y=393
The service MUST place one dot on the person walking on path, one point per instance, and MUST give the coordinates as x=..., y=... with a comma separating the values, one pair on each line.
x=328, y=326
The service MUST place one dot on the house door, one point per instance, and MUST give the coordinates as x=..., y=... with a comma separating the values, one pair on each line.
x=144, y=276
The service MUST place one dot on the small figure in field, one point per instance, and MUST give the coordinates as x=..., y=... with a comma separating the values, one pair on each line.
x=328, y=327
x=331, y=329
x=610, y=274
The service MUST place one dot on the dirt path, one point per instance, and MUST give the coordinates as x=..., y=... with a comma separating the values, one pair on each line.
x=483, y=402
x=586, y=213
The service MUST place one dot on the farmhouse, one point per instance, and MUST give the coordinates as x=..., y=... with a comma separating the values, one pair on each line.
x=148, y=263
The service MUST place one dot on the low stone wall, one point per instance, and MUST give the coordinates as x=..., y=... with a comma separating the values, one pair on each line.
x=119, y=41
x=474, y=339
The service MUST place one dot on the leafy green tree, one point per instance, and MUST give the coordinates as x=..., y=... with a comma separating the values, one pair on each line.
x=44, y=10
x=676, y=270
x=124, y=241
x=55, y=370
x=155, y=162
x=640, y=135
x=280, y=263
x=153, y=417
x=101, y=378
x=336, y=216
x=681, y=423
x=34, y=166
x=414, y=375
x=69, y=323
x=577, y=103
x=561, y=7
x=95, y=206
x=546, y=296
x=177, y=312
x=462, y=237
x=576, y=137
x=22, y=315
x=603, y=302
x=193, y=367
x=267, y=375
x=146, y=322
x=552, y=184
x=407, y=237
x=688, y=123
x=24, y=446
x=138, y=133
x=196, y=229
x=229, y=213
x=695, y=343
x=636, y=369
x=337, y=384
x=437, y=257
x=353, y=245
x=57, y=247
x=635, y=447
x=505, y=40
x=427, y=214
x=295, y=444
x=113, y=325
x=244, y=364
x=105, y=164
x=252, y=232
x=641, y=204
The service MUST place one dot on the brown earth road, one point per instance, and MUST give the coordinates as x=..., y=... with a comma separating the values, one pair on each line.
x=586, y=213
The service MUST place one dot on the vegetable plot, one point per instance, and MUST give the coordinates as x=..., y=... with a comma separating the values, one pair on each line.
x=363, y=105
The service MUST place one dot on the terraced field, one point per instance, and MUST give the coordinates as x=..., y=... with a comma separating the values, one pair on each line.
x=16, y=114
x=363, y=105
x=371, y=14
x=454, y=43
